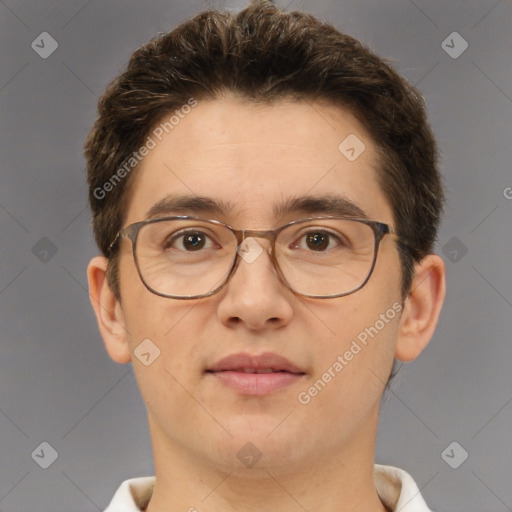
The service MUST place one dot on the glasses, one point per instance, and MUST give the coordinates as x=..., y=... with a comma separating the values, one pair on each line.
x=189, y=258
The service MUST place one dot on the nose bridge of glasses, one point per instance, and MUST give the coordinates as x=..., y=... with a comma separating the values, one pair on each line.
x=269, y=235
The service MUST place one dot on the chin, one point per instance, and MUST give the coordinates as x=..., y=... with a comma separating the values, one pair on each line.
x=260, y=442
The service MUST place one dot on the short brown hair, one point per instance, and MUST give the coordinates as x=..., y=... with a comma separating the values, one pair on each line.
x=265, y=54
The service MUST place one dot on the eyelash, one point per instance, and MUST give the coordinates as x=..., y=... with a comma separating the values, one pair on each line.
x=176, y=237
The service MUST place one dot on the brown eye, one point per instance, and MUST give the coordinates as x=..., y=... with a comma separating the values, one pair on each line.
x=317, y=241
x=194, y=241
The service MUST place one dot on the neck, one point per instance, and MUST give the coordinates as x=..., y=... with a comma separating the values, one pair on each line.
x=331, y=483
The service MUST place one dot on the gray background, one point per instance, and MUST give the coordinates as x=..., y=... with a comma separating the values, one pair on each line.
x=57, y=383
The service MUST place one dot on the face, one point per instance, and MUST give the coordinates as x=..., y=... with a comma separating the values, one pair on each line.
x=250, y=158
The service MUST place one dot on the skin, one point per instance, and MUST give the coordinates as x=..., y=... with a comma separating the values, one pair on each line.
x=317, y=456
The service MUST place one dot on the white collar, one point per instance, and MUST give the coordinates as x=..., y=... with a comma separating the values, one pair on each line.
x=395, y=487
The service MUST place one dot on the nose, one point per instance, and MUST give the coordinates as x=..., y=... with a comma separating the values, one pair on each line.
x=255, y=297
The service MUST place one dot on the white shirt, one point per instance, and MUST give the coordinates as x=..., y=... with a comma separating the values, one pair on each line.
x=395, y=488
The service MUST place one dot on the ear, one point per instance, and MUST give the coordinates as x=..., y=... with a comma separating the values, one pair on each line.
x=108, y=311
x=421, y=308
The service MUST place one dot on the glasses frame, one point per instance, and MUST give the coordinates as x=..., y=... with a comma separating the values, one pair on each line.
x=379, y=230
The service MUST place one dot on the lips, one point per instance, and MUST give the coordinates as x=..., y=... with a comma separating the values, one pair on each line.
x=264, y=363
x=255, y=375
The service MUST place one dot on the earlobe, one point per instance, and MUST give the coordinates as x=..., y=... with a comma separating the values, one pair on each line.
x=109, y=313
x=422, y=308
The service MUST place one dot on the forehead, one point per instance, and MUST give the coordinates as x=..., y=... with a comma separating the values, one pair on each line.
x=251, y=159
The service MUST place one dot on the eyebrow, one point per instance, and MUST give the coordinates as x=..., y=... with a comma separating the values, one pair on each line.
x=188, y=203
x=330, y=204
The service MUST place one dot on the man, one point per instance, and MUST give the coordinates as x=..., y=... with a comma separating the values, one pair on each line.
x=266, y=197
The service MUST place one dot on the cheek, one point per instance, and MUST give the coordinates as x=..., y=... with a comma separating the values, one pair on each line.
x=165, y=352
x=147, y=315
x=355, y=360
x=169, y=325
x=175, y=330
x=351, y=374
x=364, y=344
